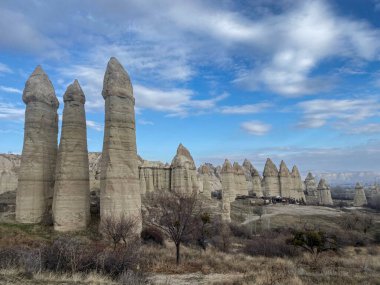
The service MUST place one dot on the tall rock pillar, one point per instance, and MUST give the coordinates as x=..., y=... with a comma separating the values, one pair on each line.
x=119, y=180
x=298, y=184
x=324, y=193
x=360, y=199
x=71, y=203
x=36, y=174
x=228, y=189
x=286, y=183
x=270, y=182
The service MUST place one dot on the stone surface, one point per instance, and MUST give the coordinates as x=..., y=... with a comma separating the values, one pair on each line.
x=119, y=176
x=312, y=195
x=360, y=199
x=270, y=182
x=184, y=173
x=205, y=181
x=37, y=169
x=298, y=186
x=324, y=193
x=286, y=181
x=228, y=189
x=241, y=187
x=154, y=176
x=71, y=202
x=9, y=167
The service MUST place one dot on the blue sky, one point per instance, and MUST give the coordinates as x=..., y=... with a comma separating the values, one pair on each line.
x=292, y=80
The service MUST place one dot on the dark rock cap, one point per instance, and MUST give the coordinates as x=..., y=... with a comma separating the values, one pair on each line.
x=74, y=93
x=38, y=88
x=116, y=80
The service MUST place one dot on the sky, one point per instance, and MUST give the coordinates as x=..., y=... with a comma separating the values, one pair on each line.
x=292, y=80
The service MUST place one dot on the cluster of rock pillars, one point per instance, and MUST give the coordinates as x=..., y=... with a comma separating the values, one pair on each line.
x=55, y=180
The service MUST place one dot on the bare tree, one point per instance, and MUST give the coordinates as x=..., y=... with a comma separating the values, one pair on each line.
x=259, y=210
x=173, y=212
x=118, y=229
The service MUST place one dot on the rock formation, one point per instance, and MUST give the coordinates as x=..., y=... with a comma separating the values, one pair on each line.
x=119, y=177
x=324, y=193
x=184, y=173
x=71, y=202
x=154, y=176
x=312, y=196
x=240, y=180
x=228, y=189
x=205, y=181
x=360, y=199
x=9, y=167
x=270, y=182
x=298, y=185
x=286, y=181
x=36, y=174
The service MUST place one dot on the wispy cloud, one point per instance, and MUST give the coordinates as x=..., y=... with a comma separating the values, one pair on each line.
x=10, y=89
x=95, y=125
x=245, y=109
x=145, y=122
x=317, y=113
x=4, y=68
x=256, y=128
x=11, y=112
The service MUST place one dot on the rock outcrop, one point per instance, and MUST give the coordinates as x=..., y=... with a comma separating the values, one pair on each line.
x=228, y=189
x=324, y=193
x=312, y=195
x=270, y=182
x=9, y=167
x=71, y=202
x=360, y=199
x=205, y=181
x=119, y=177
x=37, y=169
x=183, y=172
x=286, y=181
x=298, y=185
x=154, y=176
x=240, y=180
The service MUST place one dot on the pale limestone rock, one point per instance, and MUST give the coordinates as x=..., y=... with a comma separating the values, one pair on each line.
x=228, y=189
x=286, y=181
x=119, y=176
x=184, y=173
x=312, y=195
x=36, y=174
x=71, y=202
x=240, y=180
x=298, y=185
x=205, y=181
x=360, y=199
x=270, y=182
x=253, y=179
x=154, y=176
x=324, y=193
x=9, y=167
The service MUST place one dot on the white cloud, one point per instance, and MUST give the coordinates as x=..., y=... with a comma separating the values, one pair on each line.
x=11, y=112
x=95, y=125
x=245, y=109
x=4, y=68
x=317, y=113
x=256, y=128
x=10, y=89
x=145, y=122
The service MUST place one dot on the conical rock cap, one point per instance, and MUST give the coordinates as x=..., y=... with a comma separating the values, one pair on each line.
x=74, y=93
x=116, y=80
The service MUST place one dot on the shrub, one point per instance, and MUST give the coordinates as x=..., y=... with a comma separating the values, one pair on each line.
x=220, y=235
x=152, y=235
x=270, y=244
x=241, y=231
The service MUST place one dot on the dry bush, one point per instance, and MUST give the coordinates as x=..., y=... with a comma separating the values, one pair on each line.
x=241, y=231
x=221, y=235
x=271, y=244
x=152, y=235
x=118, y=229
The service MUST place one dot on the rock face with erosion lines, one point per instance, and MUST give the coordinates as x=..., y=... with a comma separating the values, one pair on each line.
x=270, y=182
x=324, y=193
x=228, y=189
x=184, y=173
x=37, y=168
x=360, y=199
x=71, y=202
x=312, y=195
x=119, y=176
